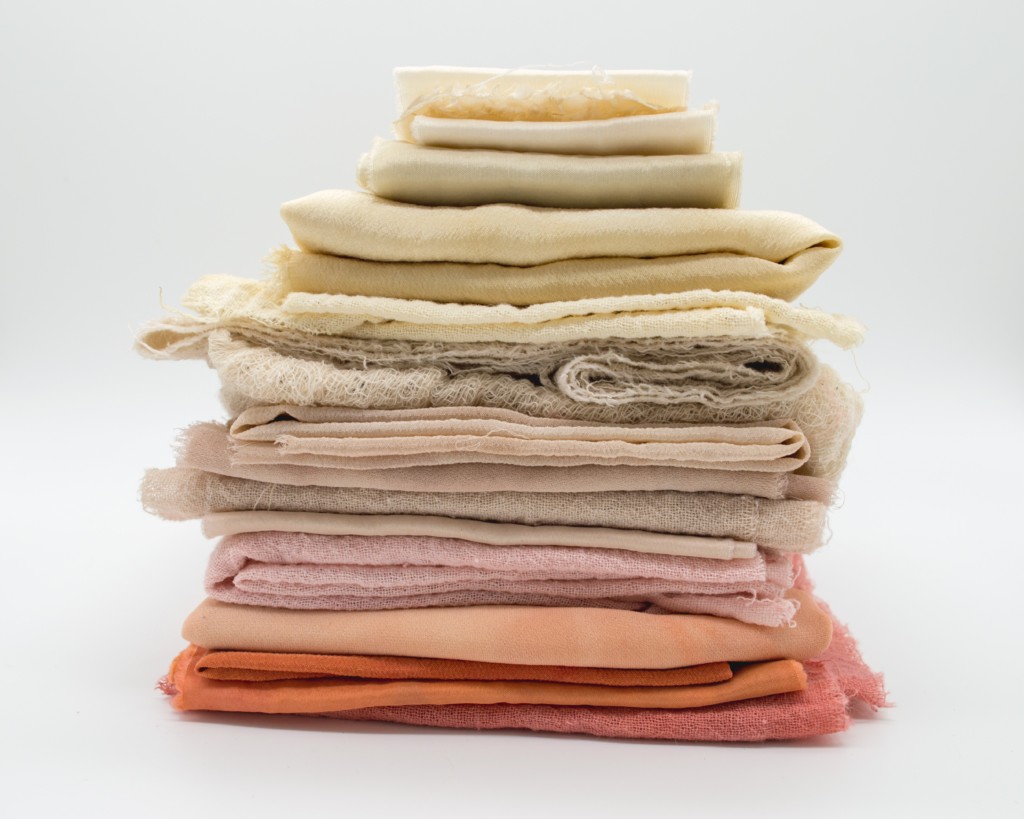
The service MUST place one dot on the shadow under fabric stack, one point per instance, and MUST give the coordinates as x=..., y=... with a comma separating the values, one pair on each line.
x=527, y=435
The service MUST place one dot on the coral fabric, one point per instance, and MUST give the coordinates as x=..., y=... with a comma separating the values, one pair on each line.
x=195, y=692
x=354, y=573
x=453, y=177
x=680, y=132
x=605, y=638
x=253, y=666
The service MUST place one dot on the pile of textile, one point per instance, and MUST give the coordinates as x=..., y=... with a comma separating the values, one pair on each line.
x=527, y=434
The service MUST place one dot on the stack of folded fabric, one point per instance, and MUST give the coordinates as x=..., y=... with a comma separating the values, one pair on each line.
x=528, y=435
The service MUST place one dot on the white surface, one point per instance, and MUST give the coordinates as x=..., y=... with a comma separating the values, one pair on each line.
x=145, y=145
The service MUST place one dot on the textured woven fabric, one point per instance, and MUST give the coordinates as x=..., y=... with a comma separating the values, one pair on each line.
x=357, y=573
x=353, y=223
x=219, y=524
x=196, y=692
x=682, y=132
x=788, y=525
x=711, y=372
x=535, y=95
x=455, y=177
x=232, y=302
x=563, y=280
x=209, y=447
x=261, y=666
x=602, y=638
x=439, y=435
x=827, y=413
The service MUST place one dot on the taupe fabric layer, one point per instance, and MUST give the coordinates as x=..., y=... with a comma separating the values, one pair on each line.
x=787, y=525
x=455, y=177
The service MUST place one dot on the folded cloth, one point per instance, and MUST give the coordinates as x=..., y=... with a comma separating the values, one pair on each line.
x=351, y=223
x=528, y=635
x=787, y=525
x=828, y=413
x=682, y=132
x=716, y=372
x=260, y=666
x=195, y=692
x=535, y=95
x=440, y=435
x=360, y=573
x=209, y=447
x=217, y=524
x=228, y=302
x=456, y=177
x=564, y=280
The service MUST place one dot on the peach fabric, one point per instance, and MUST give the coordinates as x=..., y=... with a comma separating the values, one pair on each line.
x=255, y=666
x=208, y=447
x=195, y=692
x=527, y=635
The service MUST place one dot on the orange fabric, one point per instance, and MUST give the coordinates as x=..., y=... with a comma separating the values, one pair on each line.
x=304, y=696
x=253, y=666
x=520, y=635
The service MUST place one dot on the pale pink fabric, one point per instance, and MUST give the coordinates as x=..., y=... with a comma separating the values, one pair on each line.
x=354, y=573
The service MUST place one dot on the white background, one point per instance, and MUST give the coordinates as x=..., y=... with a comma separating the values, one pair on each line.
x=146, y=144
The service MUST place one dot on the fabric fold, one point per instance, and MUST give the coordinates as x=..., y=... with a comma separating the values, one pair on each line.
x=359, y=573
x=787, y=525
x=602, y=638
x=455, y=177
x=681, y=132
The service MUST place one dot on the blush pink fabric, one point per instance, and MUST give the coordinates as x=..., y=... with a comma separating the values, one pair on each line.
x=358, y=573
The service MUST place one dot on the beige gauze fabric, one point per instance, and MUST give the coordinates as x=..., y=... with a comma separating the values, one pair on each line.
x=209, y=447
x=534, y=95
x=442, y=435
x=230, y=302
x=677, y=133
x=827, y=413
x=786, y=525
x=219, y=524
x=715, y=372
x=457, y=177
x=522, y=635
x=351, y=223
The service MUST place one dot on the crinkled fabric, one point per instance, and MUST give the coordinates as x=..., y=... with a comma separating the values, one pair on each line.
x=359, y=573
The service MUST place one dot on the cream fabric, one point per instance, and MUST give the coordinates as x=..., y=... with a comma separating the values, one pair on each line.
x=787, y=525
x=218, y=524
x=565, y=280
x=531, y=94
x=228, y=301
x=440, y=435
x=352, y=223
x=209, y=447
x=682, y=132
x=456, y=177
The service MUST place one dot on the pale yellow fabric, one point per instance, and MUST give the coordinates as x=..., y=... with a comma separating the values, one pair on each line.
x=457, y=177
x=537, y=95
x=682, y=132
x=565, y=280
x=226, y=301
x=353, y=223
x=219, y=524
